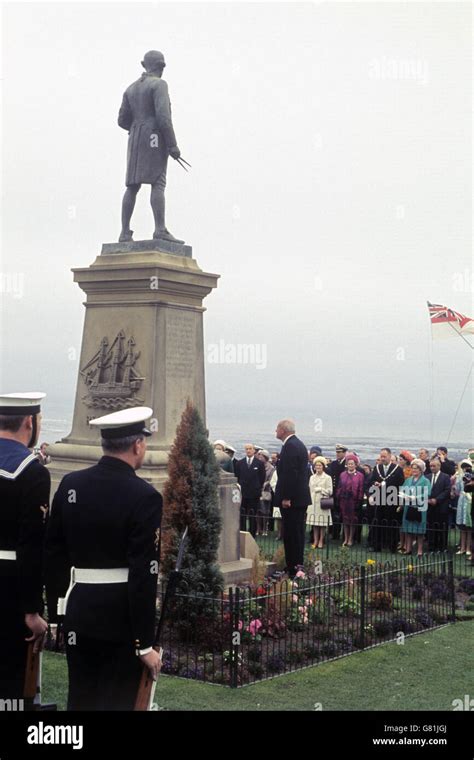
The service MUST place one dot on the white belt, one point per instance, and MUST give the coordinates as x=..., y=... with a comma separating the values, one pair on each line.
x=92, y=575
x=4, y=554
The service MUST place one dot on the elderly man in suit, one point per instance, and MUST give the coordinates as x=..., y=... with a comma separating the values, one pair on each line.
x=438, y=506
x=146, y=115
x=292, y=494
x=385, y=482
x=250, y=473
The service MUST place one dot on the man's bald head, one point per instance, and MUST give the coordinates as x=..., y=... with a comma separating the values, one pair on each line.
x=285, y=428
x=153, y=61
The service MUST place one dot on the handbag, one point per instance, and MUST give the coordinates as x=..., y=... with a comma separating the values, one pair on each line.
x=327, y=502
x=413, y=514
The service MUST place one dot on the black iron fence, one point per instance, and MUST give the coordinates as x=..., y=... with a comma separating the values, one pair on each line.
x=248, y=634
x=381, y=540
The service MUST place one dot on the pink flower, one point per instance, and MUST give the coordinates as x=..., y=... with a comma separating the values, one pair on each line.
x=254, y=627
x=294, y=598
x=241, y=625
x=300, y=574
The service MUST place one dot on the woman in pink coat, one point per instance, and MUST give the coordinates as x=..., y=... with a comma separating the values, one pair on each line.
x=350, y=493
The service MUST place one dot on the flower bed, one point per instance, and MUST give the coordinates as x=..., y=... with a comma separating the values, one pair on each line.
x=251, y=633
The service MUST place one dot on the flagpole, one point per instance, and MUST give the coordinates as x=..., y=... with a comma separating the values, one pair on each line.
x=460, y=335
x=431, y=374
x=431, y=383
x=457, y=332
x=459, y=405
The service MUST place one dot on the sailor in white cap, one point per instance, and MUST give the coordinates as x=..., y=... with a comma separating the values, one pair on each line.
x=24, y=502
x=231, y=451
x=223, y=457
x=102, y=552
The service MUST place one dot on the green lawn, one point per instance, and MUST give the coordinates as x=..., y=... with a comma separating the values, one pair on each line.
x=426, y=673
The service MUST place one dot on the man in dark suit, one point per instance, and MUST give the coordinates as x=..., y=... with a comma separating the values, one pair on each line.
x=438, y=506
x=292, y=494
x=103, y=534
x=447, y=465
x=250, y=473
x=24, y=503
x=387, y=477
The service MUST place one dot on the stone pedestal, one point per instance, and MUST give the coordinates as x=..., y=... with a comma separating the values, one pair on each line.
x=235, y=567
x=142, y=345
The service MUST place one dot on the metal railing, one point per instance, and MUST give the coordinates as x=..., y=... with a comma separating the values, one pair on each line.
x=248, y=634
x=372, y=539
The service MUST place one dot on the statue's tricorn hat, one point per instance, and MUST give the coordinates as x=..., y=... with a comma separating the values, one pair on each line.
x=153, y=59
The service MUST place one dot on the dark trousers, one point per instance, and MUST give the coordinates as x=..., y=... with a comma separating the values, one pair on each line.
x=294, y=528
x=358, y=528
x=13, y=650
x=385, y=529
x=249, y=507
x=336, y=527
x=437, y=532
x=103, y=675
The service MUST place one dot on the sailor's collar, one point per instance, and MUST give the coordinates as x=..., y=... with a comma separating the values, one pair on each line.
x=14, y=458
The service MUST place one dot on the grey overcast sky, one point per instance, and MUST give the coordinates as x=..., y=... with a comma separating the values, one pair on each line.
x=330, y=188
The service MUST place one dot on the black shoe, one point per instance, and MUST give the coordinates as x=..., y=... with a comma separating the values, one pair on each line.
x=126, y=237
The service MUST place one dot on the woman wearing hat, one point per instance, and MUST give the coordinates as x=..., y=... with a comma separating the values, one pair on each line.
x=320, y=487
x=405, y=458
x=463, y=510
x=222, y=456
x=414, y=493
x=263, y=511
x=350, y=492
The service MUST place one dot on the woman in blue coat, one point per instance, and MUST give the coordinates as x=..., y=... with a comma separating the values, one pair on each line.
x=414, y=495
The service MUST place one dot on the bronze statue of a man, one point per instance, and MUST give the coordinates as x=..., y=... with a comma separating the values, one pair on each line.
x=146, y=114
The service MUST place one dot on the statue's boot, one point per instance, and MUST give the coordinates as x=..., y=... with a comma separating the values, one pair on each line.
x=165, y=235
x=126, y=236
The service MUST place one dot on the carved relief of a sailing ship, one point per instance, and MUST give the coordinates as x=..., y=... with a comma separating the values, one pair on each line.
x=111, y=376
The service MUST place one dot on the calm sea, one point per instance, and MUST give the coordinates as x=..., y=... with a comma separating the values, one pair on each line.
x=367, y=447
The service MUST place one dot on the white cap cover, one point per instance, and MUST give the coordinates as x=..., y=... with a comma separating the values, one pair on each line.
x=16, y=404
x=123, y=423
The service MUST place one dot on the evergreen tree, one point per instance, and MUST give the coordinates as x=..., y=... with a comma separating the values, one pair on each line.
x=191, y=499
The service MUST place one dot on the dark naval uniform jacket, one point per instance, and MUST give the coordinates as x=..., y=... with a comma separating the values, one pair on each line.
x=146, y=114
x=106, y=517
x=24, y=502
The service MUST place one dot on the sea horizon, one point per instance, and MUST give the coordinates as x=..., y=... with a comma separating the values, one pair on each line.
x=367, y=446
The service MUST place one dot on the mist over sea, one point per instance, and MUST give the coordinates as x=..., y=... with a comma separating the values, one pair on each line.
x=261, y=433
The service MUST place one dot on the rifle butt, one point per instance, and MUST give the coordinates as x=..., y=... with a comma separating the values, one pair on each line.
x=142, y=701
x=31, y=673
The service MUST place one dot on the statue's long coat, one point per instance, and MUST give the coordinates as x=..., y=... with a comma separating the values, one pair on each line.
x=146, y=114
